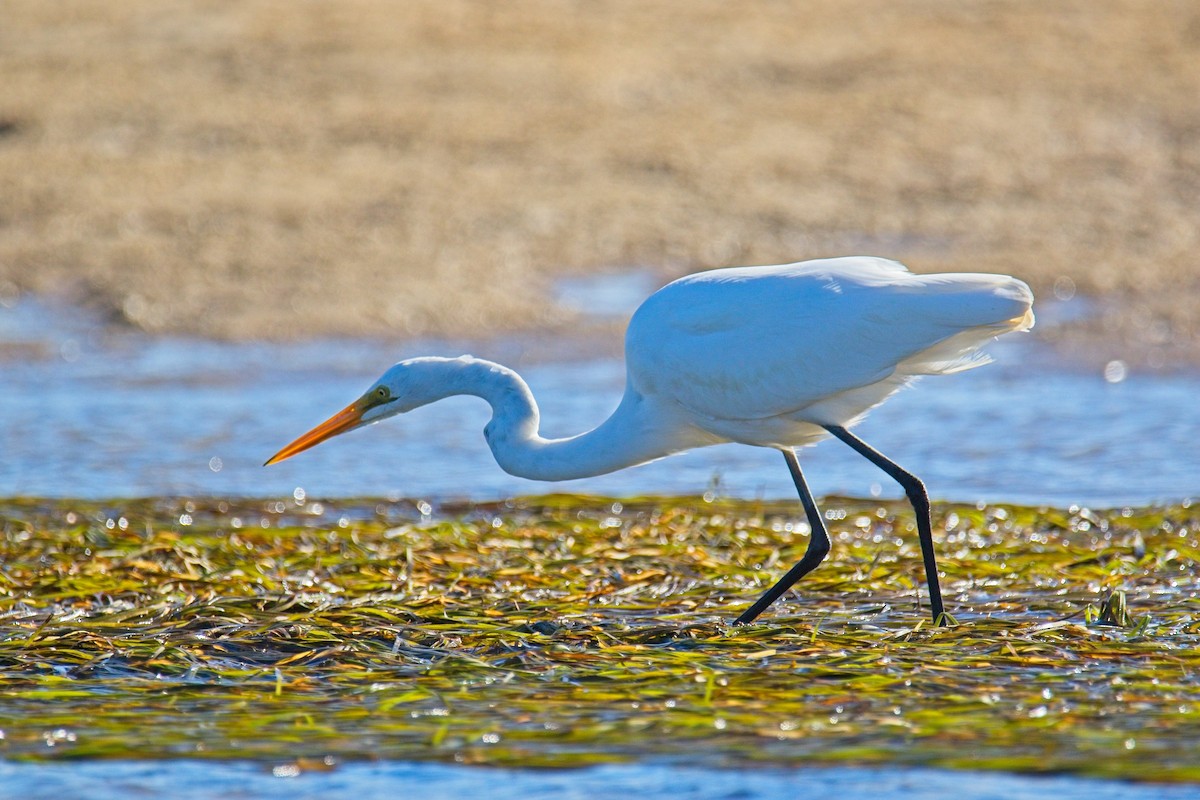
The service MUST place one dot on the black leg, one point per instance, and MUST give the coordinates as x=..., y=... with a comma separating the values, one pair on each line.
x=920, y=502
x=818, y=546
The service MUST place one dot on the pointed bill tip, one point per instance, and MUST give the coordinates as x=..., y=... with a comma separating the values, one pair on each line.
x=349, y=417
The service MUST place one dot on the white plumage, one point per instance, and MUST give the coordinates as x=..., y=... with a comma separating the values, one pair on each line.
x=769, y=356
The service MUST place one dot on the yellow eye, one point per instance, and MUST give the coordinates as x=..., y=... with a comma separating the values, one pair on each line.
x=382, y=393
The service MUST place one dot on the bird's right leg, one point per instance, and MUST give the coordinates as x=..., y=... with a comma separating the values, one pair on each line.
x=818, y=545
x=919, y=498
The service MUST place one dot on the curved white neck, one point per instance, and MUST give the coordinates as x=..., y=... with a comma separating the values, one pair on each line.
x=626, y=438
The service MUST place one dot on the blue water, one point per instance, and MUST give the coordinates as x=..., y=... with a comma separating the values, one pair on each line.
x=91, y=413
x=185, y=780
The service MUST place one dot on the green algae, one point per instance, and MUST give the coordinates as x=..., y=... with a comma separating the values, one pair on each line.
x=564, y=631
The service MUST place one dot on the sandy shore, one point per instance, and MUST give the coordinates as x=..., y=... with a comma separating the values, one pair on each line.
x=274, y=169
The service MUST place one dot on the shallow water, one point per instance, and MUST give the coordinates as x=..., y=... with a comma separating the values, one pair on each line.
x=91, y=413
x=184, y=779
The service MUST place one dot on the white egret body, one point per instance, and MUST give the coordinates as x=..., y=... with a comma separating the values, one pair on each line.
x=776, y=357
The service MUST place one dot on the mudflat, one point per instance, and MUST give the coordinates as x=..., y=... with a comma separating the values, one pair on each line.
x=275, y=169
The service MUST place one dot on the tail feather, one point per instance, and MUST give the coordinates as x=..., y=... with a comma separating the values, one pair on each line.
x=978, y=308
x=969, y=300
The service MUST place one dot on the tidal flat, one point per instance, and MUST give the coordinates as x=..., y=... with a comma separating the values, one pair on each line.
x=567, y=631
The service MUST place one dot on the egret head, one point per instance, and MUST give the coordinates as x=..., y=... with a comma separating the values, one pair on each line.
x=402, y=388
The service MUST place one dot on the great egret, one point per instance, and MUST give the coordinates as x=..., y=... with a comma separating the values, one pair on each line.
x=777, y=357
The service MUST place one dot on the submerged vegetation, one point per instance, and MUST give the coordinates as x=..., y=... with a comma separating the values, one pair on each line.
x=564, y=631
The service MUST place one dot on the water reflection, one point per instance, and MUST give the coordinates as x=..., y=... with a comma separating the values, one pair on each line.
x=90, y=413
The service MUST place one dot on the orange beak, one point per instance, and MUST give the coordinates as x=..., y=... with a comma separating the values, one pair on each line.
x=344, y=420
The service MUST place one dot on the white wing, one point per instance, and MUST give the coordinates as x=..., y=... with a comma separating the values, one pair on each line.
x=758, y=342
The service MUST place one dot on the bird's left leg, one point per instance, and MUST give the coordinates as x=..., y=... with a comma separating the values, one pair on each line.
x=818, y=545
x=918, y=497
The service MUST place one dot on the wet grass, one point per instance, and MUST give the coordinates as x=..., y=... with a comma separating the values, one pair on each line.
x=563, y=631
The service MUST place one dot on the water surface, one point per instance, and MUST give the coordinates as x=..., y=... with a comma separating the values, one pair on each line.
x=184, y=779
x=88, y=412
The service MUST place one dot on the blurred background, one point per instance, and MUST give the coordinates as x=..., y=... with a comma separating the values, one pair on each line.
x=278, y=169
x=272, y=171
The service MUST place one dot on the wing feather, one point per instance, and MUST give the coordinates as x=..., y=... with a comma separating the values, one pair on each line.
x=757, y=342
